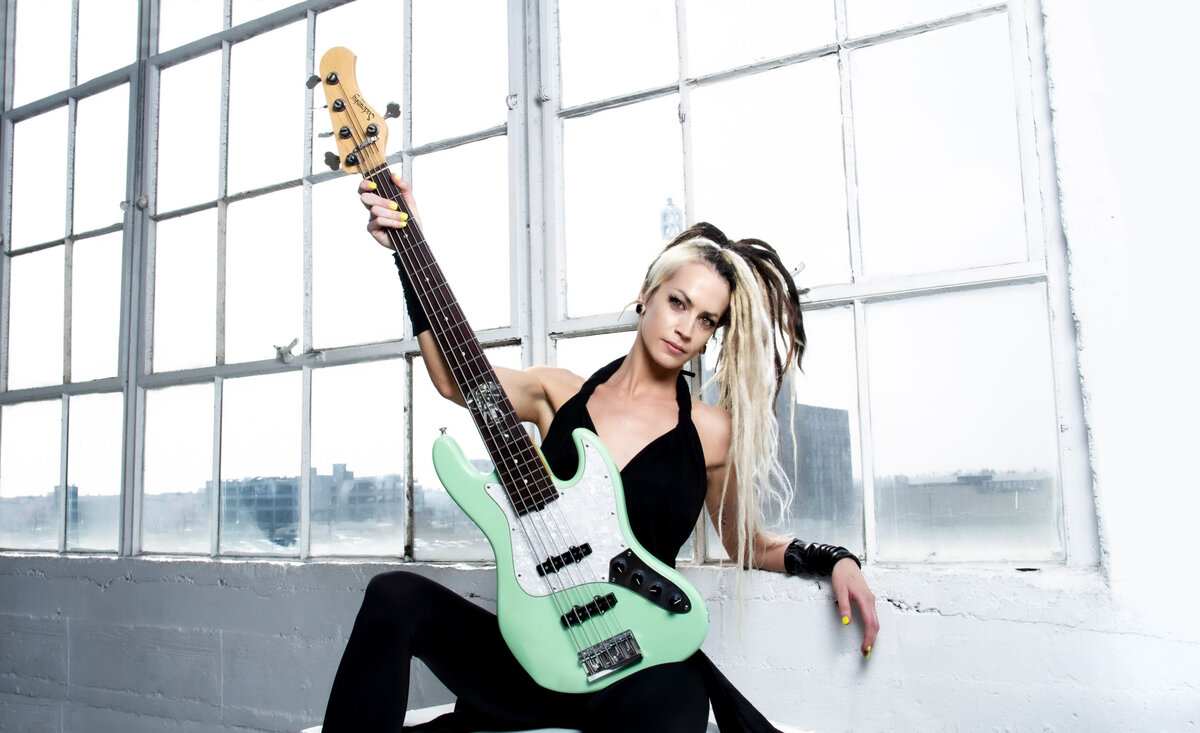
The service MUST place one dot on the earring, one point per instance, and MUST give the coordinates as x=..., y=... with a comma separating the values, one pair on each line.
x=638, y=309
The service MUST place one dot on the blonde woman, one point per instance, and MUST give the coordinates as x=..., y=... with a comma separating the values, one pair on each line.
x=677, y=455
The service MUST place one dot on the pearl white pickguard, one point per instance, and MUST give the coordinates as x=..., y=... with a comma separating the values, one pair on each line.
x=591, y=504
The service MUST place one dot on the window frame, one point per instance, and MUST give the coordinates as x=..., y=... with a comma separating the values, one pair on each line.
x=538, y=252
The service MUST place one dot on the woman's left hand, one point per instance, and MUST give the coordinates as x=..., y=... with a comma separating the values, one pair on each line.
x=850, y=585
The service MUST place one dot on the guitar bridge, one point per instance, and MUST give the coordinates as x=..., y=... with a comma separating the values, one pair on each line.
x=610, y=655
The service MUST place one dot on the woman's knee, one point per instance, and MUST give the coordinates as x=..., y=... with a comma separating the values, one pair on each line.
x=397, y=591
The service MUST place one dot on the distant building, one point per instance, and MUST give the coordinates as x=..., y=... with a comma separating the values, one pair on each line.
x=821, y=468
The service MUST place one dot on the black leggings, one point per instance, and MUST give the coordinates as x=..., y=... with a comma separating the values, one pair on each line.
x=405, y=615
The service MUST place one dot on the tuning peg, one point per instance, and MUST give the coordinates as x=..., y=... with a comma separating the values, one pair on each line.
x=313, y=81
x=333, y=161
x=393, y=110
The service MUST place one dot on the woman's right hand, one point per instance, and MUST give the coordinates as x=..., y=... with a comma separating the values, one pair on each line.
x=384, y=213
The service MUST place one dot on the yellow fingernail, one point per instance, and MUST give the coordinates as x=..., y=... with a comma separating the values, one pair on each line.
x=395, y=206
x=371, y=185
x=868, y=654
x=403, y=216
x=396, y=178
x=845, y=620
x=403, y=223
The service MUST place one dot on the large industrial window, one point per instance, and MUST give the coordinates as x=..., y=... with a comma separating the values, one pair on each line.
x=203, y=346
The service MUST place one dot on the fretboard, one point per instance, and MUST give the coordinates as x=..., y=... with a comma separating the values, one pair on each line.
x=522, y=471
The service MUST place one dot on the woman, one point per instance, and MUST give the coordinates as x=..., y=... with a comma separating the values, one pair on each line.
x=678, y=455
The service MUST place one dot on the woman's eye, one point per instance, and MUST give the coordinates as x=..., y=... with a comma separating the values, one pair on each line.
x=676, y=302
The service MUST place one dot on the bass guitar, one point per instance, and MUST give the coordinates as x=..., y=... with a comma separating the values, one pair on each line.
x=580, y=602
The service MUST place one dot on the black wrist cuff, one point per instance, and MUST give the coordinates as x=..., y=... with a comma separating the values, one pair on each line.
x=814, y=558
x=416, y=314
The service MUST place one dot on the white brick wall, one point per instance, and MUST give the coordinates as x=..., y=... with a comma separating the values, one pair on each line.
x=96, y=645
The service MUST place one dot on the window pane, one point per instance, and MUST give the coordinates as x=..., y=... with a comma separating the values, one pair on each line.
x=107, y=36
x=94, y=433
x=613, y=217
x=377, y=69
x=358, y=481
x=965, y=438
x=30, y=440
x=723, y=35
x=177, y=470
x=266, y=117
x=260, y=459
x=39, y=190
x=441, y=530
x=96, y=307
x=464, y=199
x=264, y=275
x=592, y=68
x=185, y=292
x=936, y=143
x=189, y=121
x=42, y=50
x=244, y=10
x=585, y=356
x=817, y=412
x=356, y=291
x=101, y=137
x=786, y=185
x=181, y=22
x=35, y=325
x=455, y=94
x=872, y=16
x=823, y=460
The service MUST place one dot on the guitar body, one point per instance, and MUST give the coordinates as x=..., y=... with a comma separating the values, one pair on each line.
x=580, y=603
x=529, y=611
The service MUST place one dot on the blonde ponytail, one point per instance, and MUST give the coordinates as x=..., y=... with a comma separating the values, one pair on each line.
x=762, y=339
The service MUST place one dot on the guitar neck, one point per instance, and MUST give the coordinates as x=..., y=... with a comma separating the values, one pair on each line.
x=520, y=466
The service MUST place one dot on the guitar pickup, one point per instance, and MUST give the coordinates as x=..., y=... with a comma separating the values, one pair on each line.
x=556, y=563
x=595, y=607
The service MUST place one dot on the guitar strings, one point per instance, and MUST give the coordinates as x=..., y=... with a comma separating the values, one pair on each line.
x=527, y=517
x=530, y=518
x=533, y=521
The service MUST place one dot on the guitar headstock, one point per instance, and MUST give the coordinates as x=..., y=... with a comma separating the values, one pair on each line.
x=360, y=131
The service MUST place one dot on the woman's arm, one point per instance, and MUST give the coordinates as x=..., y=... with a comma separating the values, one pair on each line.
x=767, y=551
x=526, y=389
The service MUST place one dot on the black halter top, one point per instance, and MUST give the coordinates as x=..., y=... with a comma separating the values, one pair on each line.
x=664, y=483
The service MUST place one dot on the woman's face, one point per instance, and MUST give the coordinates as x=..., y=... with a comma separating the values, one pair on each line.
x=681, y=316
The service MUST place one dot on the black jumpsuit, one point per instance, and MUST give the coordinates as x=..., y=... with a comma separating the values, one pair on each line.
x=405, y=615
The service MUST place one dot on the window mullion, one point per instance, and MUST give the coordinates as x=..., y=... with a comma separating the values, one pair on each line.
x=1025, y=87
x=866, y=453
x=553, y=302
x=214, y=496
x=1079, y=521
x=305, y=484
x=849, y=159
x=405, y=121
x=63, y=499
x=137, y=309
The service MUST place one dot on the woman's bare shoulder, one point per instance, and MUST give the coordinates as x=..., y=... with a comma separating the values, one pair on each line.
x=715, y=427
x=558, y=384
